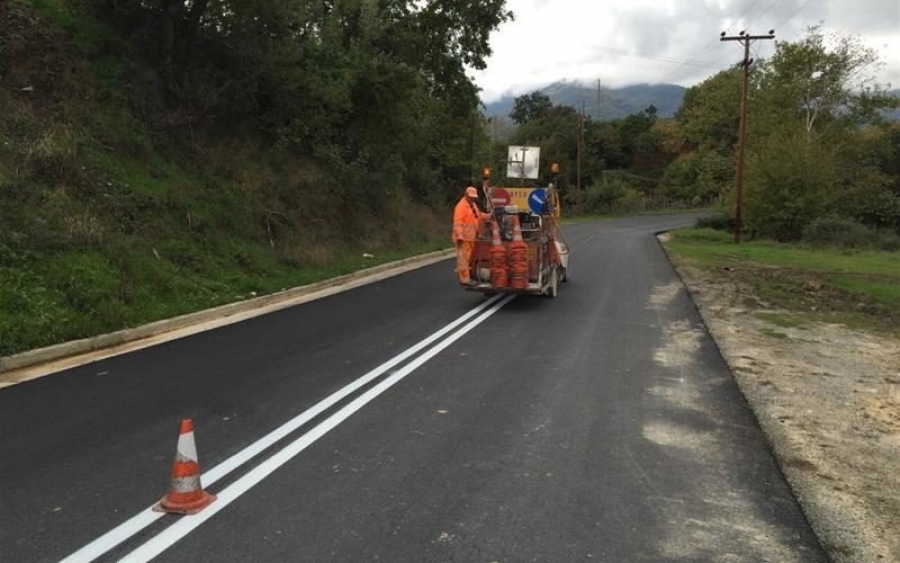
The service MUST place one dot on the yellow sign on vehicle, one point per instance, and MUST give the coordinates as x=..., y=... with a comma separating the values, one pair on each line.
x=526, y=199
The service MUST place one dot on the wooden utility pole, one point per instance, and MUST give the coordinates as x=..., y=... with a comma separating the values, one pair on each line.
x=578, y=194
x=745, y=40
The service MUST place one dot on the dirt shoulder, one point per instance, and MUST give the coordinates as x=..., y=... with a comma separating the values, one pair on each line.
x=828, y=399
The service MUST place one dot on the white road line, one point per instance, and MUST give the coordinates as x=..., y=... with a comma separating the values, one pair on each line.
x=184, y=526
x=147, y=517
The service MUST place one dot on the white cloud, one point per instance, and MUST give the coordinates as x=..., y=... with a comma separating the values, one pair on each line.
x=675, y=41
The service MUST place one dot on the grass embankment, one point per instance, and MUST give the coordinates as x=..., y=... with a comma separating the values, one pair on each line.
x=858, y=288
x=115, y=211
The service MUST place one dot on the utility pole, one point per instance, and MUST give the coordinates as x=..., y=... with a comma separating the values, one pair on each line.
x=744, y=39
x=578, y=194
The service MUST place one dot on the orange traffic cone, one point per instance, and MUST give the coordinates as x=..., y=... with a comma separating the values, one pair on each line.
x=186, y=495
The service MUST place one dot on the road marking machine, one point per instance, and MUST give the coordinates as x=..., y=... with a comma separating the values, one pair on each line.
x=520, y=249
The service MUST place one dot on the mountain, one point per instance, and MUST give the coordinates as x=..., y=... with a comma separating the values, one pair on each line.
x=894, y=114
x=613, y=103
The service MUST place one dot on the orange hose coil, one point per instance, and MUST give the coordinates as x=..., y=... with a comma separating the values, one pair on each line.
x=499, y=276
x=518, y=258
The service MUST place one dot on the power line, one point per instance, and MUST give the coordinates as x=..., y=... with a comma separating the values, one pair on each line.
x=797, y=11
x=689, y=61
x=766, y=11
x=707, y=46
x=651, y=58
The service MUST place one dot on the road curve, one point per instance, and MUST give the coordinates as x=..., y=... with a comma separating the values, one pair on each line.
x=416, y=422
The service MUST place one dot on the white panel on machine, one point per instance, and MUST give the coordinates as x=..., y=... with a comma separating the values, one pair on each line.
x=523, y=162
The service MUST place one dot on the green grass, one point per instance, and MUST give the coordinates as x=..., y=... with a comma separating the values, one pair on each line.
x=778, y=319
x=711, y=248
x=47, y=298
x=86, y=35
x=883, y=291
x=858, y=288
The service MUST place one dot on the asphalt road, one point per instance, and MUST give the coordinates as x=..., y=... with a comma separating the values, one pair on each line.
x=602, y=425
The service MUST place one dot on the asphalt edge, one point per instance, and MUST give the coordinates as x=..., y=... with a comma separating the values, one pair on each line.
x=772, y=439
x=55, y=352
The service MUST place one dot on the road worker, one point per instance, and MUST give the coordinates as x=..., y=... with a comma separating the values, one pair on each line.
x=467, y=217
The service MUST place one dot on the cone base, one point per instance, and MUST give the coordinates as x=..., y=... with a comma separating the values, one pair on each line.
x=192, y=507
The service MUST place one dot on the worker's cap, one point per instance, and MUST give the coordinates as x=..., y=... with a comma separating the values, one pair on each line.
x=471, y=192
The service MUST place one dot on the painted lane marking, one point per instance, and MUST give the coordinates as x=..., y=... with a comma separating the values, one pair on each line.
x=143, y=519
x=184, y=526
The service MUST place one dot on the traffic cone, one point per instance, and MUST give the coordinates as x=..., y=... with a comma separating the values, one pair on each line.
x=186, y=495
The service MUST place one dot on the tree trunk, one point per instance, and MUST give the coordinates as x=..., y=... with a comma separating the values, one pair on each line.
x=170, y=10
x=198, y=10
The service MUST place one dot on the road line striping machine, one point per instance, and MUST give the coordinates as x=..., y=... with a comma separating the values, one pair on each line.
x=521, y=249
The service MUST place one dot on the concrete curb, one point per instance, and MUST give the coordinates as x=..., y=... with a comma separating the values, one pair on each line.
x=92, y=344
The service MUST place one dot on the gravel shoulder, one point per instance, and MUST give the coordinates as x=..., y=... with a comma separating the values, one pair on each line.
x=828, y=399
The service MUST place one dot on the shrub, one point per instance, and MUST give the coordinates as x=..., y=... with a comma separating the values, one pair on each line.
x=834, y=231
x=791, y=181
x=846, y=233
x=719, y=221
x=599, y=199
x=887, y=240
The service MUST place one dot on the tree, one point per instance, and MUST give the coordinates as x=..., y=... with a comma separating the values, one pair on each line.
x=556, y=132
x=710, y=112
x=821, y=79
x=790, y=183
x=530, y=107
x=809, y=157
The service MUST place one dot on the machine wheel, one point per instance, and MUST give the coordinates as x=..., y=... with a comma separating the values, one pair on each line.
x=554, y=283
x=564, y=275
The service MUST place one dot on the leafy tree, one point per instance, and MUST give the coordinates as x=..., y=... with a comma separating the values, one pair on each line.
x=710, y=112
x=679, y=180
x=821, y=79
x=606, y=146
x=808, y=156
x=790, y=182
x=556, y=132
x=872, y=179
x=715, y=175
x=530, y=107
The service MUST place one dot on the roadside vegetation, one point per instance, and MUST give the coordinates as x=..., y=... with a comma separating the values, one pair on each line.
x=821, y=153
x=160, y=157
x=800, y=282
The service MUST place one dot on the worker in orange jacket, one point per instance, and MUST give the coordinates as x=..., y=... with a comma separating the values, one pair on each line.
x=466, y=220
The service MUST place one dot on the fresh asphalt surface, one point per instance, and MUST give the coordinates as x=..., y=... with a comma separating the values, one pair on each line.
x=546, y=433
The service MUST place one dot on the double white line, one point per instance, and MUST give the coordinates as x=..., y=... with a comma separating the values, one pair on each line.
x=186, y=525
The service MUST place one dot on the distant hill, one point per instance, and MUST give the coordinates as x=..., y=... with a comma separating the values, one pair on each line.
x=613, y=103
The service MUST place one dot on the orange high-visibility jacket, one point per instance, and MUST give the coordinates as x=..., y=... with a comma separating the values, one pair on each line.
x=466, y=217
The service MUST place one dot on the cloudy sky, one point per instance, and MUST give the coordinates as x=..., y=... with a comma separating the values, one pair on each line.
x=625, y=42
